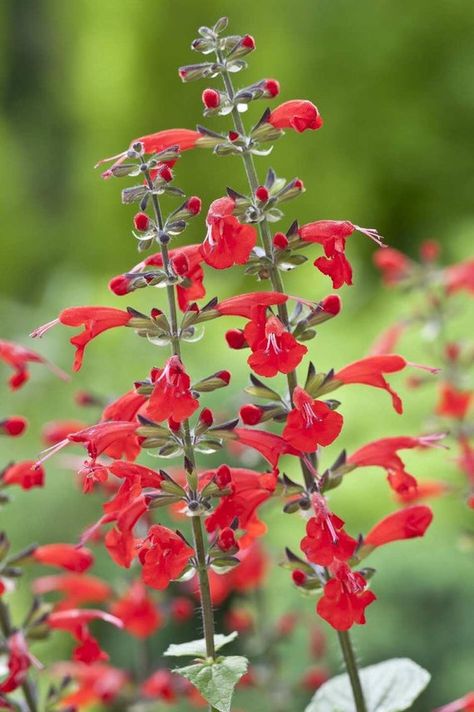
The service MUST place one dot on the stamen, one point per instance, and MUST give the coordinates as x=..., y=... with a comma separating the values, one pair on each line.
x=372, y=233
x=272, y=343
x=50, y=451
x=41, y=330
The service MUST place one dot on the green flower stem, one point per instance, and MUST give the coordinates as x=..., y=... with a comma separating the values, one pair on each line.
x=277, y=284
x=207, y=612
x=27, y=687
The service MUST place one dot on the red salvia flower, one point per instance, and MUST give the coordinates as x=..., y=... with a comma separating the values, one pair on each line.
x=404, y=524
x=393, y=264
x=160, y=686
x=311, y=423
x=26, y=474
x=278, y=352
x=424, y=490
x=13, y=426
x=18, y=358
x=65, y=556
x=370, y=370
x=171, y=397
x=228, y=242
x=186, y=262
x=75, y=621
x=297, y=114
x=459, y=277
x=124, y=408
x=164, y=556
x=388, y=340
x=325, y=538
x=19, y=661
x=98, y=683
x=454, y=403
x=77, y=589
x=269, y=445
x=244, y=304
x=345, y=598
x=137, y=611
x=183, y=139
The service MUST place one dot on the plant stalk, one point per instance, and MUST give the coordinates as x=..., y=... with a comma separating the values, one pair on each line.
x=27, y=686
x=277, y=284
x=207, y=612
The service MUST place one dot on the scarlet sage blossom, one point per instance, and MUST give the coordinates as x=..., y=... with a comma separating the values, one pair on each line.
x=393, y=264
x=76, y=588
x=13, y=426
x=345, y=598
x=459, y=277
x=404, y=524
x=171, y=396
x=325, y=538
x=95, y=683
x=269, y=445
x=164, y=556
x=311, y=423
x=124, y=408
x=65, y=556
x=26, y=474
x=75, y=621
x=19, y=661
x=244, y=304
x=228, y=242
x=18, y=358
x=137, y=611
x=297, y=114
x=183, y=139
x=95, y=320
x=454, y=403
x=370, y=370
x=186, y=262
x=277, y=352
x=249, y=490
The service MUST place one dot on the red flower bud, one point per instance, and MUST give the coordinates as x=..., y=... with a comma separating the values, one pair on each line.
x=332, y=304
x=181, y=609
x=262, y=193
x=299, y=577
x=120, y=285
x=224, y=376
x=226, y=540
x=165, y=173
x=248, y=42
x=286, y=624
x=298, y=184
x=223, y=476
x=13, y=426
x=429, y=251
x=193, y=204
x=206, y=417
x=233, y=135
x=141, y=222
x=272, y=87
x=173, y=425
x=452, y=351
x=235, y=339
x=155, y=313
x=211, y=98
x=251, y=414
x=280, y=240
x=84, y=399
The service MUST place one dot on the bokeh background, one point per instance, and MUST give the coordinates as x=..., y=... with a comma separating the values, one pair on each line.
x=79, y=79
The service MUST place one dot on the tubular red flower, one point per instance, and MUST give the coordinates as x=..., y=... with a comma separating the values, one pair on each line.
x=454, y=403
x=26, y=474
x=277, y=352
x=269, y=445
x=96, y=683
x=345, y=598
x=77, y=589
x=75, y=621
x=244, y=304
x=393, y=264
x=13, y=426
x=65, y=556
x=124, y=408
x=459, y=277
x=139, y=614
x=404, y=524
x=18, y=357
x=228, y=241
x=297, y=114
x=325, y=538
x=311, y=423
x=369, y=371
x=164, y=556
x=171, y=397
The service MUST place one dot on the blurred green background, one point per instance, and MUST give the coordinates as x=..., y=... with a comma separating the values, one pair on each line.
x=79, y=79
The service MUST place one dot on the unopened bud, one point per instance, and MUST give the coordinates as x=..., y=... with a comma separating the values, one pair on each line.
x=141, y=222
x=262, y=193
x=165, y=173
x=233, y=135
x=280, y=240
x=272, y=87
x=299, y=577
x=211, y=98
x=13, y=426
x=224, y=376
x=206, y=417
x=120, y=285
x=223, y=476
x=251, y=414
x=181, y=609
x=298, y=184
x=235, y=339
x=226, y=540
x=332, y=304
x=248, y=42
x=193, y=204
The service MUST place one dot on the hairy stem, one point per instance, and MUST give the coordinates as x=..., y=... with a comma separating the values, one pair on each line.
x=207, y=612
x=27, y=687
x=277, y=284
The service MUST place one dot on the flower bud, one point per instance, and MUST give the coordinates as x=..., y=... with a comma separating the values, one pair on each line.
x=298, y=184
x=262, y=193
x=181, y=609
x=251, y=414
x=248, y=42
x=211, y=98
x=452, y=351
x=141, y=222
x=299, y=577
x=193, y=204
x=429, y=251
x=233, y=135
x=272, y=87
x=280, y=241
x=224, y=376
x=173, y=425
x=165, y=173
x=226, y=540
x=120, y=285
x=235, y=339
x=13, y=426
x=206, y=417
x=223, y=476
x=332, y=304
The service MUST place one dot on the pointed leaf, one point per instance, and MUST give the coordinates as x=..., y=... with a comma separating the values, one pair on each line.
x=216, y=680
x=197, y=648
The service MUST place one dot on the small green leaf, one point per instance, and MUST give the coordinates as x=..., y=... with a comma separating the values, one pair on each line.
x=216, y=680
x=197, y=648
x=391, y=686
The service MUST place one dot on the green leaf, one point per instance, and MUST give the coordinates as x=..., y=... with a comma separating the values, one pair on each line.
x=216, y=680
x=391, y=686
x=197, y=648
